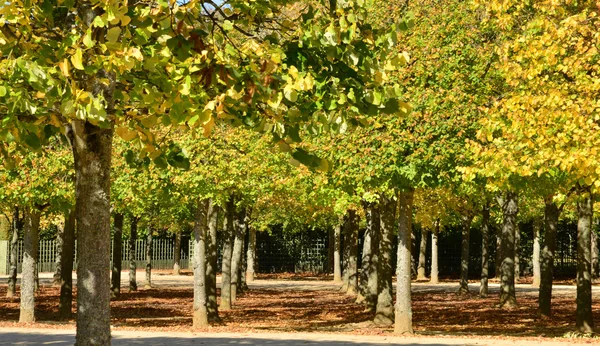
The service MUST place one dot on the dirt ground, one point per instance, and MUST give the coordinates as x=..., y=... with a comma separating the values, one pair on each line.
x=294, y=308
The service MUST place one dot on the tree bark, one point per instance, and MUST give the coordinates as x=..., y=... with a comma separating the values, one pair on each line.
x=595, y=255
x=149, y=244
x=584, y=320
x=228, y=238
x=330, y=250
x=65, y=304
x=92, y=147
x=384, y=310
x=536, y=253
x=464, y=254
x=251, y=254
x=239, y=227
x=485, y=241
x=551, y=214
x=337, y=265
x=200, y=314
x=517, y=255
x=211, y=262
x=347, y=244
x=403, y=323
x=422, y=253
x=117, y=255
x=363, y=277
x=507, y=281
x=60, y=237
x=14, y=253
x=498, y=261
x=30, y=251
x=434, y=253
x=352, y=232
x=132, y=254
x=371, y=274
x=177, y=254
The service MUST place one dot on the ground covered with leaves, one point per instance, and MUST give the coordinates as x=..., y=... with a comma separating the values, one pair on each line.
x=286, y=310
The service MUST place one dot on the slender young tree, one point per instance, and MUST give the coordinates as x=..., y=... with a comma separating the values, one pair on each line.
x=239, y=227
x=149, y=246
x=403, y=320
x=132, y=255
x=434, y=253
x=251, y=255
x=464, y=257
x=200, y=315
x=337, y=261
x=536, y=252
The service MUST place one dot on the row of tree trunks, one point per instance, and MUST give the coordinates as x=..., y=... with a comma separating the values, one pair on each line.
x=30, y=247
x=117, y=255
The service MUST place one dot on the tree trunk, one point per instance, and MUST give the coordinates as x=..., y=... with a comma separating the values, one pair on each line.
x=498, y=261
x=65, y=304
x=211, y=262
x=347, y=244
x=149, y=244
x=337, y=265
x=14, y=253
x=422, y=253
x=92, y=147
x=585, y=322
x=551, y=214
x=413, y=251
x=384, y=311
x=60, y=237
x=536, y=253
x=363, y=278
x=330, y=250
x=30, y=252
x=117, y=255
x=464, y=254
x=177, y=254
x=239, y=227
x=251, y=254
x=434, y=253
x=517, y=255
x=352, y=232
x=200, y=315
x=485, y=241
x=507, y=282
x=371, y=277
x=403, y=323
x=132, y=255
x=228, y=239
x=595, y=255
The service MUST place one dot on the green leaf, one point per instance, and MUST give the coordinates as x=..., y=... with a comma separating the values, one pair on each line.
x=33, y=141
x=2, y=91
x=113, y=34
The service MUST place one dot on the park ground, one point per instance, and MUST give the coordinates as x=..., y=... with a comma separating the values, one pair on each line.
x=309, y=308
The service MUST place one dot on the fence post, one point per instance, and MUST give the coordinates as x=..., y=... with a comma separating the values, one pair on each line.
x=4, y=257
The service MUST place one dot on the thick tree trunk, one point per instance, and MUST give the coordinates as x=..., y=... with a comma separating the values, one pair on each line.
x=177, y=254
x=434, y=253
x=14, y=253
x=551, y=214
x=337, y=264
x=595, y=255
x=403, y=323
x=464, y=254
x=352, y=233
x=211, y=262
x=228, y=238
x=517, y=254
x=584, y=320
x=200, y=314
x=92, y=152
x=485, y=245
x=239, y=227
x=536, y=253
x=132, y=254
x=251, y=254
x=372, y=262
x=422, y=253
x=384, y=311
x=30, y=251
x=65, y=304
x=509, y=224
x=117, y=255
x=60, y=237
x=149, y=244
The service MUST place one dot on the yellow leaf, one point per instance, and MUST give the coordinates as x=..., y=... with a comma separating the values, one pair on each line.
x=125, y=20
x=64, y=67
x=126, y=134
x=113, y=34
x=77, y=59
